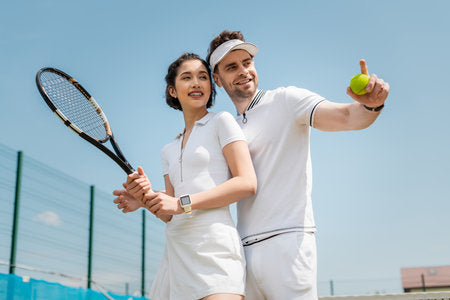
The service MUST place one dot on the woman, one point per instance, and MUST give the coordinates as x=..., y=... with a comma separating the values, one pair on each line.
x=208, y=166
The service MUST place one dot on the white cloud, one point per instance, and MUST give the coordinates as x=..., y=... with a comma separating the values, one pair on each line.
x=48, y=218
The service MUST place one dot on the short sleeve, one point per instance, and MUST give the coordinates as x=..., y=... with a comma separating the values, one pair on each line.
x=228, y=129
x=164, y=161
x=302, y=104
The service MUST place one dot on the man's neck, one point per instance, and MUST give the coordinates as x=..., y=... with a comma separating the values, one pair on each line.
x=242, y=103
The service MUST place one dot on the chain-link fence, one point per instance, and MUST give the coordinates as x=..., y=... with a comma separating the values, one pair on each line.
x=57, y=228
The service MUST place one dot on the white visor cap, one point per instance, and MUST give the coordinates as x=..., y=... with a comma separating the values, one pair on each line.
x=227, y=47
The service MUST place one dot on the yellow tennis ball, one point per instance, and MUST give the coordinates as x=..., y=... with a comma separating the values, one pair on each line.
x=358, y=84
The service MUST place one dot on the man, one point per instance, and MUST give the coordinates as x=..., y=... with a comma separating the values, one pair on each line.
x=277, y=224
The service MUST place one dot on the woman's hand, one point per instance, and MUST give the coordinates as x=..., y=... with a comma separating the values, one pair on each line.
x=161, y=204
x=138, y=184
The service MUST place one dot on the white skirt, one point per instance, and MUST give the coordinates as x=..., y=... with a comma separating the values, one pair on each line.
x=200, y=259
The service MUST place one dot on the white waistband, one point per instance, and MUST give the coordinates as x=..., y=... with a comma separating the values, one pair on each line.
x=254, y=238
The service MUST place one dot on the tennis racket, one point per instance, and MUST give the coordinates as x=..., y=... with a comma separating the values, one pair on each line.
x=77, y=109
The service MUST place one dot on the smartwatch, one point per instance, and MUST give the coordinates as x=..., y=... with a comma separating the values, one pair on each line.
x=185, y=202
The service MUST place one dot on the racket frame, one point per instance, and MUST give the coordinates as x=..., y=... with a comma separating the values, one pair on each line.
x=118, y=156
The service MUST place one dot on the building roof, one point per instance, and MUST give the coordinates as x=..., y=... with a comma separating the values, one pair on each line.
x=434, y=277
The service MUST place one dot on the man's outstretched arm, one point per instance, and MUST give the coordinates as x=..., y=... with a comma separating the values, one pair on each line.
x=331, y=116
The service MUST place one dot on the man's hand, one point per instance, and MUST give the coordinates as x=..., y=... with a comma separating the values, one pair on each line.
x=377, y=90
x=126, y=202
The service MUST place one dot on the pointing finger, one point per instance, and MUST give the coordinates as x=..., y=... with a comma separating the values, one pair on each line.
x=363, y=65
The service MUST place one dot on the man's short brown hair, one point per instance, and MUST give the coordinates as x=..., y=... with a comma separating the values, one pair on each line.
x=224, y=36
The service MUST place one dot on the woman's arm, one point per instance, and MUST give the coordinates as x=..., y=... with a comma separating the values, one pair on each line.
x=242, y=184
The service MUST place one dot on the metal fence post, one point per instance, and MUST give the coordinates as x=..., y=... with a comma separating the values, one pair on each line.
x=12, y=258
x=91, y=235
x=331, y=288
x=143, y=256
x=423, y=282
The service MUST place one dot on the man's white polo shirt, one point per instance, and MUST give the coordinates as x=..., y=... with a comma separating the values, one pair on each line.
x=276, y=125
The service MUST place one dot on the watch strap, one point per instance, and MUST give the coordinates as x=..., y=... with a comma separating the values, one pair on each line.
x=378, y=108
x=187, y=209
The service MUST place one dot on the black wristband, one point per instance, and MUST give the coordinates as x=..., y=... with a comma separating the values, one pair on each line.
x=374, y=108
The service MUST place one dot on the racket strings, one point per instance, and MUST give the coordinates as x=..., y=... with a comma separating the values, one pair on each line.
x=74, y=105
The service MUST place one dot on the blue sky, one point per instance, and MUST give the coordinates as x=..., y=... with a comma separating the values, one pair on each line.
x=380, y=195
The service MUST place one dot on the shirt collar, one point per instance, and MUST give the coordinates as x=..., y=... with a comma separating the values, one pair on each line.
x=259, y=94
x=202, y=122
x=205, y=119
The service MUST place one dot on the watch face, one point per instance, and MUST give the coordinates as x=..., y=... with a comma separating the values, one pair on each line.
x=185, y=200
